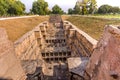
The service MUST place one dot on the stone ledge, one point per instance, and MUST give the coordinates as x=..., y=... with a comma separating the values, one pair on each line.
x=89, y=38
x=84, y=42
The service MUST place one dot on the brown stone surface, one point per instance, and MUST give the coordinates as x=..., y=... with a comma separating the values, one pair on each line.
x=105, y=61
x=10, y=67
x=77, y=65
x=28, y=44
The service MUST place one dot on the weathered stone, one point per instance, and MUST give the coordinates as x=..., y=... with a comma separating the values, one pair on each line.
x=77, y=65
x=80, y=43
x=10, y=67
x=104, y=63
x=28, y=44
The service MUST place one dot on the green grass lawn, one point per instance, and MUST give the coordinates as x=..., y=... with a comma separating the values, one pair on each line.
x=92, y=25
x=109, y=16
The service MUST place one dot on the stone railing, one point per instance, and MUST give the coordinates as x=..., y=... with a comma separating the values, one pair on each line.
x=80, y=43
x=28, y=46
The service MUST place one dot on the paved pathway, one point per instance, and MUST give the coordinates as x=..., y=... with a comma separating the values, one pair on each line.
x=17, y=17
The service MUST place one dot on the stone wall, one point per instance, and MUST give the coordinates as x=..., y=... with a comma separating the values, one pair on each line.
x=26, y=46
x=104, y=64
x=10, y=67
x=29, y=45
x=80, y=43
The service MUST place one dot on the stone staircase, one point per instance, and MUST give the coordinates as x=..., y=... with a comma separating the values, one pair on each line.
x=55, y=50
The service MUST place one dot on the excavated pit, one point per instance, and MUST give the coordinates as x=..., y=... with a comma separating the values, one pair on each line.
x=54, y=52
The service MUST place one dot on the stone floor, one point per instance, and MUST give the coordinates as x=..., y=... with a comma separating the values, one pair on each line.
x=56, y=71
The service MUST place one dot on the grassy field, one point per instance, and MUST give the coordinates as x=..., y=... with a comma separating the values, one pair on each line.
x=17, y=27
x=108, y=16
x=92, y=25
x=65, y=17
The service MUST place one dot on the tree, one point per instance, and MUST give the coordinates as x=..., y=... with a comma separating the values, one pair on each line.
x=70, y=11
x=3, y=7
x=2, y=10
x=77, y=9
x=11, y=7
x=114, y=10
x=92, y=6
x=83, y=6
x=104, y=9
x=57, y=10
x=40, y=7
x=16, y=8
x=87, y=6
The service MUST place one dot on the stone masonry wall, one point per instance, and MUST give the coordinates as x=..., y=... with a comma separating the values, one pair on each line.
x=10, y=67
x=80, y=43
x=29, y=45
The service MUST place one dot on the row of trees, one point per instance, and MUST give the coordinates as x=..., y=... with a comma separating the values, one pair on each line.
x=84, y=7
x=16, y=7
x=41, y=7
x=105, y=9
x=90, y=7
x=11, y=7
